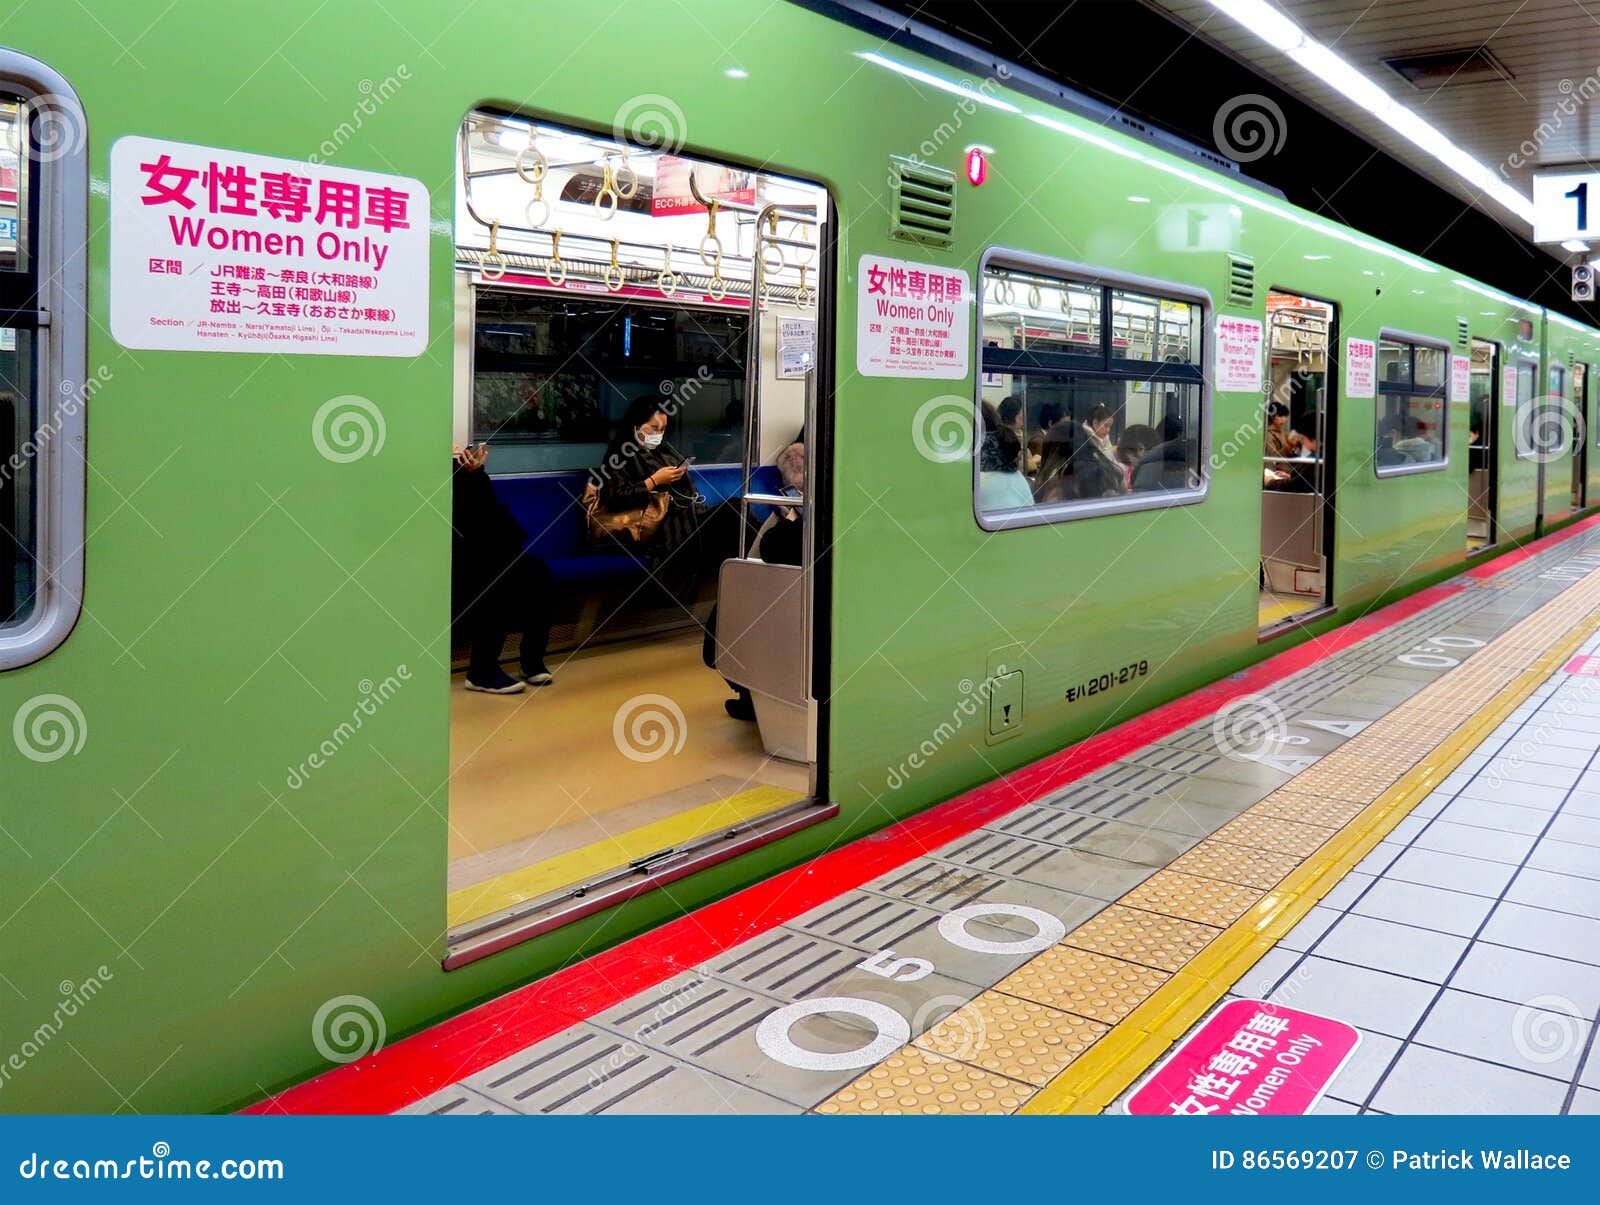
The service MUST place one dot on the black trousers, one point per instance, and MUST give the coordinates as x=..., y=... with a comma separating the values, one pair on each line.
x=518, y=600
x=691, y=546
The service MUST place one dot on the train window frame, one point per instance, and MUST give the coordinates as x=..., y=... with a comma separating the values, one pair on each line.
x=1109, y=280
x=53, y=311
x=1532, y=363
x=1412, y=389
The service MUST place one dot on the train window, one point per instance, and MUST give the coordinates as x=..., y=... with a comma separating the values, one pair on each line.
x=43, y=390
x=1092, y=395
x=552, y=376
x=1412, y=414
x=1527, y=391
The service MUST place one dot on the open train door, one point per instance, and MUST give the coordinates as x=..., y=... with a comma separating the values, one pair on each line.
x=1482, y=459
x=643, y=342
x=1297, y=487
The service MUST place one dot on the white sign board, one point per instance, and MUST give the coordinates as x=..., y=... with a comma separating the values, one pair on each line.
x=797, y=347
x=219, y=250
x=1566, y=205
x=1360, y=368
x=911, y=319
x=1508, y=385
x=1239, y=345
x=1460, y=378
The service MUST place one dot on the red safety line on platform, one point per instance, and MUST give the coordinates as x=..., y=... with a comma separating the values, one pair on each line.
x=417, y=1066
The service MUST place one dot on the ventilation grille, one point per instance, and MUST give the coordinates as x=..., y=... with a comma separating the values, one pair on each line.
x=1241, y=281
x=923, y=208
x=1463, y=334
x=1442, y=68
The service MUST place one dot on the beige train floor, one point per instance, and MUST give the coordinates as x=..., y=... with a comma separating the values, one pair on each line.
x=538, y=774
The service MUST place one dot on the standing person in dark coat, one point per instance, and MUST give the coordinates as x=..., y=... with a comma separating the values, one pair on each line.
x=496, y=588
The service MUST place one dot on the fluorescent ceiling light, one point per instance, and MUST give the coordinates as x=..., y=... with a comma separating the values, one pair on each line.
x=1282, y=33
x=1265, y=21
x=736, y=73
x=944, y=85
x=1576, y=245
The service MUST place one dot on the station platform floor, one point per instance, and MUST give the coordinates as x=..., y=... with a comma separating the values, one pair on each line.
x=1395, y=825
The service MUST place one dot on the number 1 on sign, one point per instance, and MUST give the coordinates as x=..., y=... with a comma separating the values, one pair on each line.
x=1580, y=194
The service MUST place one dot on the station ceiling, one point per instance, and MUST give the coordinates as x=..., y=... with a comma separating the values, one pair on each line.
x=1180, y=64
x=1509, y=83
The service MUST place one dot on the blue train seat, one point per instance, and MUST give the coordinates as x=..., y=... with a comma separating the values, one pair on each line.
x=547, y=506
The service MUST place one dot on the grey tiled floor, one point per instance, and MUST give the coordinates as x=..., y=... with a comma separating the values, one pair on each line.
x=1466, y=946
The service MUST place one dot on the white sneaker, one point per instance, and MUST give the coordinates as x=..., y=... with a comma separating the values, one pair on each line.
x=501, y=684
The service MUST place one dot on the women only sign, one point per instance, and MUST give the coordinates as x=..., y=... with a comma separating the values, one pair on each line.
x=218, y=250
x=1252, y=1058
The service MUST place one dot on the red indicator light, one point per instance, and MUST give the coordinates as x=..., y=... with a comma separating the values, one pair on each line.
x=977, y=167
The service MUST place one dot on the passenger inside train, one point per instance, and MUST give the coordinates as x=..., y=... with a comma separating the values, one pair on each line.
x=631, y=508
x=1104, y=380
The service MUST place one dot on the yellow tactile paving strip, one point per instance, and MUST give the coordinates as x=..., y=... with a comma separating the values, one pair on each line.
x=1069, y=1030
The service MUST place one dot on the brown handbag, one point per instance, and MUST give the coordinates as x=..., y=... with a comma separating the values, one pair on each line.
x=634, y=526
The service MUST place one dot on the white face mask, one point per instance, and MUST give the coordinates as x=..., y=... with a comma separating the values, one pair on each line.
x=650, y=441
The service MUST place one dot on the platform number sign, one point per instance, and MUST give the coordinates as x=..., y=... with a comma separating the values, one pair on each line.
x=1566, y=205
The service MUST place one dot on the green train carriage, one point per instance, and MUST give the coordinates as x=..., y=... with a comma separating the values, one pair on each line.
x=177, y=834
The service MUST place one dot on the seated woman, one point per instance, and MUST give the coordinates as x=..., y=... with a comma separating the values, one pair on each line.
x=1081, y=462
x=646, y=502
x=1281, y=443
x=1136, y=440
x=1001, y=485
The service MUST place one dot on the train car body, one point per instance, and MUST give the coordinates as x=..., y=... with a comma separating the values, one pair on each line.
x=250, y=819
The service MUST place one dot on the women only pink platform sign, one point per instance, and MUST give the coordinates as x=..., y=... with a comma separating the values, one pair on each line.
x=1252, y=1058
x=218, y=250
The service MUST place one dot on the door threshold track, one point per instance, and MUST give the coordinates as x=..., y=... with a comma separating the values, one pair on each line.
x=490, y=934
